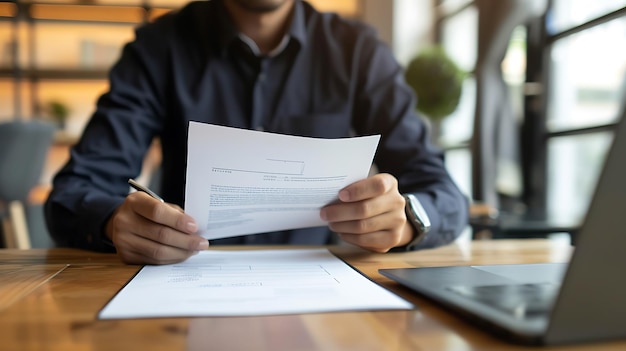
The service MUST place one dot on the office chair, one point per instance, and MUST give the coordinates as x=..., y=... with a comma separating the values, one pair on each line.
x=23, y=150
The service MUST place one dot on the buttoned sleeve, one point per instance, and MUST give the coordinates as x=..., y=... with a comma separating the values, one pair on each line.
x=93, y=183
x=385, y=104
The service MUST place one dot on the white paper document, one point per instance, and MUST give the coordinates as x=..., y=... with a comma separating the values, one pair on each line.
x=246, y=182
x=250, y=282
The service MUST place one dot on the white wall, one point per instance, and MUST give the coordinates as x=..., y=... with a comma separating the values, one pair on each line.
x=413, y=28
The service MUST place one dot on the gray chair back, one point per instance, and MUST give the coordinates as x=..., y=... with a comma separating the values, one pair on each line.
x=24, y=147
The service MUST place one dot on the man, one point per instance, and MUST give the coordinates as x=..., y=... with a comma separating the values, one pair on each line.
x=273, y=65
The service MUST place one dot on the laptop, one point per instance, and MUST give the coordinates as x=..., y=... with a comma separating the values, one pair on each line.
x=554, y=303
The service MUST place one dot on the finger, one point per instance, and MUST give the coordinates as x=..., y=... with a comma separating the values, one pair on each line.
x=348, y=211
x=367, y=188
x=169, y=236
x=136, y=258
x=144, y=251
x=178, y=208
x=156, y=211
x=136, y=249
x=370, y=224
x=361, y=226
x=342, y=212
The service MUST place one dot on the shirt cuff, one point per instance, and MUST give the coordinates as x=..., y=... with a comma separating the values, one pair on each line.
x=99, y=210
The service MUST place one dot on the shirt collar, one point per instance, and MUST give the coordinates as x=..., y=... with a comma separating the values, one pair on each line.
x=297, y=30
x=227, y=31
x=255, y=48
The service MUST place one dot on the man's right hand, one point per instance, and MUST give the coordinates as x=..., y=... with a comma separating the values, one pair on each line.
x=147, y=231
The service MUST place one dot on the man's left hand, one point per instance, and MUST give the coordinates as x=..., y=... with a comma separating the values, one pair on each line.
x=370, y=214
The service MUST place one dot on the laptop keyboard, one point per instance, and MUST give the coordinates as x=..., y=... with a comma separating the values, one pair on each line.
x=519, y=300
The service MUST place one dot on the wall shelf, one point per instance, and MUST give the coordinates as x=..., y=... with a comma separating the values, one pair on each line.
x=61, y=49
x=57, y=74
x=50, y=49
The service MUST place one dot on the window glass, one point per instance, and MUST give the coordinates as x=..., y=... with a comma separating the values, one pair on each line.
x=460, y=37
x=588, y=72
x=459, y=164
x=514, y=70
x=570, y=13
x=574, y=164
x=459, y=40
x=458, y=127
x=449, y=6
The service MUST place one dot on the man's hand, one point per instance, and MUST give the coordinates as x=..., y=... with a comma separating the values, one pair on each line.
x=147, y=231
x=370, y=214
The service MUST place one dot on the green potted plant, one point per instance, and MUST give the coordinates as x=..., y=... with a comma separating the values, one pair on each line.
x=59, y=112
x=438, y=83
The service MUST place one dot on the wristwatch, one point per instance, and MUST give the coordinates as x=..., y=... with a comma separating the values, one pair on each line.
x=416, y=215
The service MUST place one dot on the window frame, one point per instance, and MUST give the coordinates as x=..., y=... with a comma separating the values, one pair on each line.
x=534, y=133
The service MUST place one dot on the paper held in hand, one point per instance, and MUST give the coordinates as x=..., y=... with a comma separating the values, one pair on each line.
x=246, y=182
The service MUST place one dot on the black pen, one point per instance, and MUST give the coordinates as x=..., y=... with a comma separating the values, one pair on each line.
x=142, y=188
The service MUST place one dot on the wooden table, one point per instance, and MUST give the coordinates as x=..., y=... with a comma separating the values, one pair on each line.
x=49, y=300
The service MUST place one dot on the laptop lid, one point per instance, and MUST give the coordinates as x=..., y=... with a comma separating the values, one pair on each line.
x=591, y=302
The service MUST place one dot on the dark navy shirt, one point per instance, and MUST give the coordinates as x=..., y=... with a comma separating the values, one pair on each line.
x=331, y=78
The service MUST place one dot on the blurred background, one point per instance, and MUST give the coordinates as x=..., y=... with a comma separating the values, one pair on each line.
x=540, y=88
